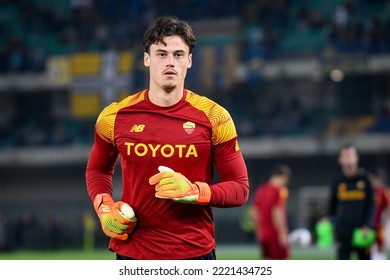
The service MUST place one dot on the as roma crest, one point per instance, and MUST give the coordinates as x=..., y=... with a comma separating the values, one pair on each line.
x=189, y=127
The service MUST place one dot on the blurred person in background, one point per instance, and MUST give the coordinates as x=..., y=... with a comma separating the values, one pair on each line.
x=269, y=212
x=54, y=229
x=165, y=125
x=22, y=229
x=351, y=204
x=382, y=205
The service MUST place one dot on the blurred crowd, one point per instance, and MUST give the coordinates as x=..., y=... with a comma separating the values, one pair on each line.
x=34, y=30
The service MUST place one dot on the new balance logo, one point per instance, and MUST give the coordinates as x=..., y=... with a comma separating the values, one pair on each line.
x=137, y=128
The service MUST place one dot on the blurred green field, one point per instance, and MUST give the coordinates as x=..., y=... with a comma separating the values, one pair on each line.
x=224, y=252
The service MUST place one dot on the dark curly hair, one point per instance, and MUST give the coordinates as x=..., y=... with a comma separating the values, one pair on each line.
x=282, y=170
x=168, y=26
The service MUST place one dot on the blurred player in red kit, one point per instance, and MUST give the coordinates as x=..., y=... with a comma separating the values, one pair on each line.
x=382, y=203
x=269, y=211
x=168, y=125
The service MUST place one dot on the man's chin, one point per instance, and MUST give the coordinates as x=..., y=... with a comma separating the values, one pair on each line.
x=349, y=170
x=169, y=87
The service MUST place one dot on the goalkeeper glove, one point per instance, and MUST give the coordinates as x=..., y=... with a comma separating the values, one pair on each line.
x=114, y=223
x=175, y=186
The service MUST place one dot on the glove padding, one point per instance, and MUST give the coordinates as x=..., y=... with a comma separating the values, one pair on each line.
x=175, y=186
x=114, y=223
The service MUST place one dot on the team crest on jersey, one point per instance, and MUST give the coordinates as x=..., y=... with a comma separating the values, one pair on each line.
x=360, y=185
x=342, y=186
x=189, y=127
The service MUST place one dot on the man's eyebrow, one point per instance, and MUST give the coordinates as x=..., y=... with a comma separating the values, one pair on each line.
x=165, y=51
x=160, y=50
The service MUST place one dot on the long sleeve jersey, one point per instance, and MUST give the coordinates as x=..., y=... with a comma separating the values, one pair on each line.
x=191, y=137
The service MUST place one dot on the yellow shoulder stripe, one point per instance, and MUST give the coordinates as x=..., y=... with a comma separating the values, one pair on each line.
x=223, y=128
x=106, y=120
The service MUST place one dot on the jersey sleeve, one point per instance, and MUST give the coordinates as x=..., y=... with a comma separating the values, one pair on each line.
x=103, y=155
x=104, y=127
x=223, y=128
x=282, y=196
x=233, y=188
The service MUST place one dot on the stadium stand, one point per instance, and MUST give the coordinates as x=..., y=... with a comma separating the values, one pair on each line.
x=38, y=32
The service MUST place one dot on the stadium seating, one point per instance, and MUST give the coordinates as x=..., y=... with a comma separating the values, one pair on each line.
x=39, y=34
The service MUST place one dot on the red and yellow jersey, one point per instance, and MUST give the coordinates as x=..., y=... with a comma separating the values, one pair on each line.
x=266, y=198
x=188, y=137
x=381, y=204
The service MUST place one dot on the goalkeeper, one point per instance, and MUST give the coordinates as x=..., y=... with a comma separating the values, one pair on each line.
x=165, y=125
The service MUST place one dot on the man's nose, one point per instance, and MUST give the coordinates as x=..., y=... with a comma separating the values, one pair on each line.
x=170, y=60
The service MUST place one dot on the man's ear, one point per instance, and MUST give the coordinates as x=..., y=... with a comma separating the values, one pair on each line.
x=189, y=60
x=146, y=59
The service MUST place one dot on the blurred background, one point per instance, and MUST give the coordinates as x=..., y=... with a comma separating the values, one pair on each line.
x=300, y=79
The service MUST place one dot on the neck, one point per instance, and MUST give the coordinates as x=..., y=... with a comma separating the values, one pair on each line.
x=350, y=171
x=165, y=97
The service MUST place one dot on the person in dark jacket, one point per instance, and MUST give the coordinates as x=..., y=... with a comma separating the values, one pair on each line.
x=351, y=204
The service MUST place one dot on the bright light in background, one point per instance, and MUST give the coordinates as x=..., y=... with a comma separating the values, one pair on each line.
x=337, y=75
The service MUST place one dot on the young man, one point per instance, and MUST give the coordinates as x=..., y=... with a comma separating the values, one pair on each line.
x=351, y=204
x=269, y=211
x=165, y=125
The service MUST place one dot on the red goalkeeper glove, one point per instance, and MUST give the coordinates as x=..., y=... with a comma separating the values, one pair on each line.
x=175, y=186
x=115, y=224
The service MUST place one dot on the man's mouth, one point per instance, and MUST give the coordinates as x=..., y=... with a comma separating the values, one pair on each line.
x=170, y=73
